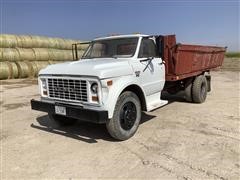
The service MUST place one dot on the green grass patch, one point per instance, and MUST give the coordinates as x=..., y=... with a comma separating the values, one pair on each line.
x=233, y=54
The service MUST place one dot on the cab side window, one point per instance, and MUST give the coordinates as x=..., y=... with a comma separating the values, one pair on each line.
x=147, y=48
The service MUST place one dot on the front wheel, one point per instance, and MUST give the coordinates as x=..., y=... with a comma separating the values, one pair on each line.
x=126, y=116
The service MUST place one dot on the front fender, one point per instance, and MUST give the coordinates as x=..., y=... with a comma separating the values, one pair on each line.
x=111, y=94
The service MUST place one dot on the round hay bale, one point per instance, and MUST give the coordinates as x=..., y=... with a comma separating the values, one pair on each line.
x=25, y=41
x=4, y=70
x=34, y=68
x=10, y=54
x=68, y=43
x=80, y=54
x=8, y=41
x=56, y=62
x=41, y=42
x=35, y=42
x=53, y=43
x=1, y=54
x=13, y=70
x=52, y=62
x=40, y=65
x=42, y=54
x=26, y=54
x=57, y=54
x=67, y=55
x=62, y=44
x=23, y=69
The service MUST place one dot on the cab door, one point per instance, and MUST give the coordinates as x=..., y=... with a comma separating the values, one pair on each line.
x=149, y=67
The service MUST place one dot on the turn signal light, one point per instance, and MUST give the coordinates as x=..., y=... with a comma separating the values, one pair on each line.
x=95, y=98
x=109, y=83
x=45, y=93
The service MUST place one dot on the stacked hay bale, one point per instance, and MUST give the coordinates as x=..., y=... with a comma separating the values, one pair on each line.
x=23, y=56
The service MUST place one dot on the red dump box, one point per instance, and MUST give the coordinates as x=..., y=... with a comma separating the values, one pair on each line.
x=183, y=61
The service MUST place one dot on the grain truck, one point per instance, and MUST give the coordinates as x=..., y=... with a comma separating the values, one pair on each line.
x=120, y=76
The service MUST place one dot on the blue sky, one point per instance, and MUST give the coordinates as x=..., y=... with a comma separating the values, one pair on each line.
x=214, y=22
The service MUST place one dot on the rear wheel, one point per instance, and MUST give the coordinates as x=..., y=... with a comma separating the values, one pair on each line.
x=199, y=89
x=62, y=120
x=126, y=117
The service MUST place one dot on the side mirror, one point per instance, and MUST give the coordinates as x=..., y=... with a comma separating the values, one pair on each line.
x=74, y=51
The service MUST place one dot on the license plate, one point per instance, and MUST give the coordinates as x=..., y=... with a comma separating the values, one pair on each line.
x=60, y=110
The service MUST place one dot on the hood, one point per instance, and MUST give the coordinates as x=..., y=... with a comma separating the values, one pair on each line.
x=102, y=68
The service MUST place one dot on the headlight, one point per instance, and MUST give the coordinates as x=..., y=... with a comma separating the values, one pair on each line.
x=44, y=87
x=44, y=84
x=94, y=88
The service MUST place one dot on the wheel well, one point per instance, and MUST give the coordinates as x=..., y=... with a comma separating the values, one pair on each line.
x=138, y=91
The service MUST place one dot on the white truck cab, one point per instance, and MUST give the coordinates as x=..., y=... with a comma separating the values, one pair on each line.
x=116, y=79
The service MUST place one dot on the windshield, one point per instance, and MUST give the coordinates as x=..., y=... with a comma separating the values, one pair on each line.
x=122, y=47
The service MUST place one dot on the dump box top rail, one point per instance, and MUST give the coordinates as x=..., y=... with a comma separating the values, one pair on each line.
x=183, y=61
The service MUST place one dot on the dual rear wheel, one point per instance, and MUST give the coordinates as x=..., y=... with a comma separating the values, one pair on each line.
x=197, y=90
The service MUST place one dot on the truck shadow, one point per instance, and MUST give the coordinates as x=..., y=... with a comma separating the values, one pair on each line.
x=83, y=131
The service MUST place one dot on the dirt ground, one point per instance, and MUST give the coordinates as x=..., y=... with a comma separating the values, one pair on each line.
x=178, y=141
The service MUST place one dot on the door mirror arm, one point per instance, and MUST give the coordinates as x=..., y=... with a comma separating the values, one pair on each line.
x=149, y=59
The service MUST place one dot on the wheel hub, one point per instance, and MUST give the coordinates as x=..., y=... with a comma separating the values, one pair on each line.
x=203, y=90
x=128, y=115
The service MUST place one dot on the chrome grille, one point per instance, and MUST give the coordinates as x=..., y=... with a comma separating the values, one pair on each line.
x=67, y=89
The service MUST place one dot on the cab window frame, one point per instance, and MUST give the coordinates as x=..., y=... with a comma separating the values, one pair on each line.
x=156, y=55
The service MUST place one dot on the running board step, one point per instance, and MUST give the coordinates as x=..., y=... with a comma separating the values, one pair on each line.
x=154, y=101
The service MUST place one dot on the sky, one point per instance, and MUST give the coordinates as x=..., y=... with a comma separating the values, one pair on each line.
x=212, y=22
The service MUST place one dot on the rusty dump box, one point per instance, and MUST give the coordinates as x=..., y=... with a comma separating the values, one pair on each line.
x=183, y=61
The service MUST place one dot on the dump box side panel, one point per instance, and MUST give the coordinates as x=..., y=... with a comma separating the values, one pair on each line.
x=192, y=58
x=183, y=61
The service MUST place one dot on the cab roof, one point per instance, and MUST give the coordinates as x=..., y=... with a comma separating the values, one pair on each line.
x=121, y=36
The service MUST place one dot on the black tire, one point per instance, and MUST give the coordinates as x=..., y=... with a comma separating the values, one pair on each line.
x=172, y=91
x=199, y=89
x=188, y=93
x=126, y=116
x=62, y=120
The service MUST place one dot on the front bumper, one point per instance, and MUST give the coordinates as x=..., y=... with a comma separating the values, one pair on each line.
x=77, y=112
